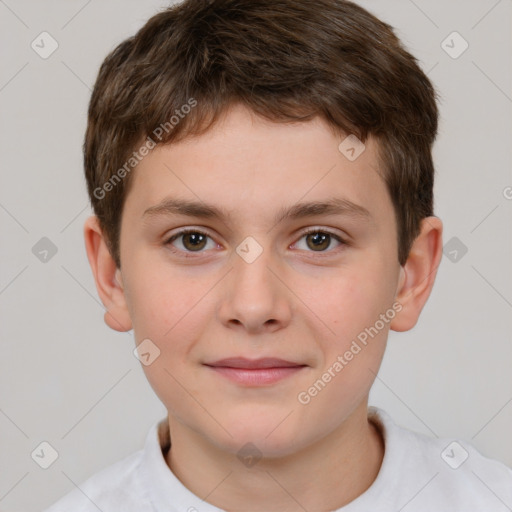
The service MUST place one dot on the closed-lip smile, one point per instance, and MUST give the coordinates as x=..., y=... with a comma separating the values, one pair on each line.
x=255, y=372
x=253, y=364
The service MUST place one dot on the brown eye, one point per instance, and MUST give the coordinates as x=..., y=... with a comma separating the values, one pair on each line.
x=194, y=241
x=318, y=241
x=188, y=241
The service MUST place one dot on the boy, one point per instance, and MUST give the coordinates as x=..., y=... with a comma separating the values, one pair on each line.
x=262, y=179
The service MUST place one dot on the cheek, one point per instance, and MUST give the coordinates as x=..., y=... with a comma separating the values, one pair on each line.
x=161, y=301
x=351, y=305
x=351, y=300
x=171, y=310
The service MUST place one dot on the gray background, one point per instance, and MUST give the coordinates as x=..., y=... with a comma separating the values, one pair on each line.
x=67, y=379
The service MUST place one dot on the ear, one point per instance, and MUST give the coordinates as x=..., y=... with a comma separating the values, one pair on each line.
x=107, y=277
x=418, y=274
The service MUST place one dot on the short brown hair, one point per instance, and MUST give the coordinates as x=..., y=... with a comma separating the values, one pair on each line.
x=287, y=60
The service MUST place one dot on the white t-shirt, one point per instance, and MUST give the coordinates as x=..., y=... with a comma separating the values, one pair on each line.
x=418, y=474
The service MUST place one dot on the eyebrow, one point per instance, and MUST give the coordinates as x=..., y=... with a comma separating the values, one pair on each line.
x=331, y=206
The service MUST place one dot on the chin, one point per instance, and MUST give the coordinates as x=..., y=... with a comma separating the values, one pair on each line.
x=267, y=432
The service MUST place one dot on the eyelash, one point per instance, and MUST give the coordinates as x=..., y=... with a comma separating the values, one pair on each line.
x=190, y=254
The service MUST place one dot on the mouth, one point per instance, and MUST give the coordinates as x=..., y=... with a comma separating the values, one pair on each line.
x=255, y=372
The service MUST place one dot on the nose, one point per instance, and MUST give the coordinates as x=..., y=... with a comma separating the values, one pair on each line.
x=255, y=298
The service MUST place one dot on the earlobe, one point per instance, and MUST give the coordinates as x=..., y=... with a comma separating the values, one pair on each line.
x=418, y=274
x=107, y=277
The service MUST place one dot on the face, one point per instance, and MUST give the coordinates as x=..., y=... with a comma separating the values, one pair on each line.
x=290, y=253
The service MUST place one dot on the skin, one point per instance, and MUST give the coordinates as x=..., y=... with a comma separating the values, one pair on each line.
x=294, y=302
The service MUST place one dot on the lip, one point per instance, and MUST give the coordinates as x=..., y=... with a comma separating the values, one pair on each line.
x=253, y=364
x=255, y=372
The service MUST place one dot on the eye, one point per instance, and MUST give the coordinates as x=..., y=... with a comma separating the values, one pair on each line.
x=318, y=240
x=191, y=240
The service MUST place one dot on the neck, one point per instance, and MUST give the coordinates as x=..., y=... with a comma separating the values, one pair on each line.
x=325, y=475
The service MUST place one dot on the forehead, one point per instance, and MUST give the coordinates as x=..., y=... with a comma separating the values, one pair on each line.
x=245, y=163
